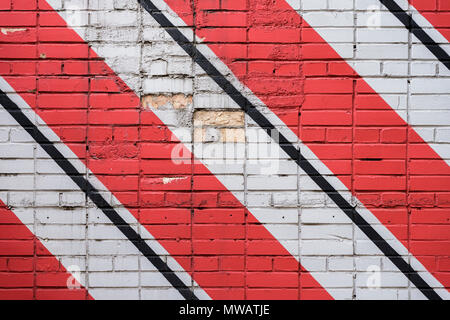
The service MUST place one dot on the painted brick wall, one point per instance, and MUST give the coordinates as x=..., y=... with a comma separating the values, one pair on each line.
x=184, y=168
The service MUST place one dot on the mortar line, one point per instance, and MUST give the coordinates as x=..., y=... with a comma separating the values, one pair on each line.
x=140, y=173
x=193, y=143
x=35, y=238
x=408, y=101
x=299, y=201
x=86, y=261
x=245, y=167
x=354, y=241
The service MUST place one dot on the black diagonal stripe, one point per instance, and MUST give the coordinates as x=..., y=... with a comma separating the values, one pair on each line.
x=407, y=20
x=95, y=196
x=290, y=149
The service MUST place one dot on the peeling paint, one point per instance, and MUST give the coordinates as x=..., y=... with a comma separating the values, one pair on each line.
x=170, y=180
x=5, y=31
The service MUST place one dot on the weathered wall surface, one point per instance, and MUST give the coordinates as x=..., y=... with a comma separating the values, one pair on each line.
x=133, y=168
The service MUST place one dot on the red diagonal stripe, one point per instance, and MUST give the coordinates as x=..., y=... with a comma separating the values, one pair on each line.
x=344, y=122
x=124, y=143
x=27, y=269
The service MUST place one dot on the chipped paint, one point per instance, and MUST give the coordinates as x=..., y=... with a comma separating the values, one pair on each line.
x=170, y=180
x=6, y=31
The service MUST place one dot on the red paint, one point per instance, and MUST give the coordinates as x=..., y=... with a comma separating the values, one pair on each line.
x=27, y=269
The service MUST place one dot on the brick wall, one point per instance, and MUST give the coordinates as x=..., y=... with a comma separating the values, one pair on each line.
x=129, y=170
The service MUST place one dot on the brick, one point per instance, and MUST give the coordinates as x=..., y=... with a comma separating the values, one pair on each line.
x=276, y=279
x=343, y=118
x=234, y=4
x=17, y=19
x=223, y=279
x=231, y=215
x=15, y=51
x=60, y=294
x=328, y=86
x=232, y=263
x=228, y=247
x=119, y=117
x=63, y=85
x=69, y=101
x=63, y=51
x=16, y=294
x=20, y=280
x=62, y=34
x=218, y=232
x=386, y=151
x=227, y=19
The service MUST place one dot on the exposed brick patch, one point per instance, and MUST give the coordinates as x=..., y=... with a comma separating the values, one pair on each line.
x=219, y=126
x=176, y=101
